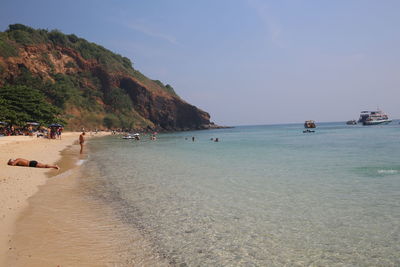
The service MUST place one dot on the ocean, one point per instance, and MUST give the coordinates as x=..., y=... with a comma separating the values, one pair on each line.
x=261, y=196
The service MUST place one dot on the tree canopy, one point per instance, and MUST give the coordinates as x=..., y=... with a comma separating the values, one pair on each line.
x=20, y=103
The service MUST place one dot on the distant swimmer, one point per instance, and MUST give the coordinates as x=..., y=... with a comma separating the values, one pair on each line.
x=216, y=140
x=193, y=138
x=30, y=163
x=82, y=140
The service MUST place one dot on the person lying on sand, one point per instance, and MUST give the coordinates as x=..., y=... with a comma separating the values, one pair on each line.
x=30, y=163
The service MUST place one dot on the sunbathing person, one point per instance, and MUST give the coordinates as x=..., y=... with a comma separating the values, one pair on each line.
x=30, y=163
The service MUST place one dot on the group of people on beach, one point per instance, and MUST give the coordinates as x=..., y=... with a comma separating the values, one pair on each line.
x=32, y=129
x=13, y=131
x=55, y=132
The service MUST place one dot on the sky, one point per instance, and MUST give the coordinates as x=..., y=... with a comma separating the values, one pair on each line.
x=246, y=62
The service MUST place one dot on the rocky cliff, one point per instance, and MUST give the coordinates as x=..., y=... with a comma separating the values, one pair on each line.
x=92, y=86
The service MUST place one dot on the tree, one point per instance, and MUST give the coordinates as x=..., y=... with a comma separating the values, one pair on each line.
x=20, y=104
x=111, y=121
x=119, y=100
x=19, y=27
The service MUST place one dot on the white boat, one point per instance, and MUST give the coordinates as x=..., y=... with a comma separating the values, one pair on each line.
x=373, y=118
x=131, y=136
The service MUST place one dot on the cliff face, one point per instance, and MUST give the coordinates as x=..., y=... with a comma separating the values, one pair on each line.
x=109, y=89
x=168, y=112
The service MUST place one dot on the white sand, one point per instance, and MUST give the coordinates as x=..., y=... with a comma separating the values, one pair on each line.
x=17, y=184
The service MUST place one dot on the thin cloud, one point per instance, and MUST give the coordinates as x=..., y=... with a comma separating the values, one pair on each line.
x=273, y=27
x=152, y=33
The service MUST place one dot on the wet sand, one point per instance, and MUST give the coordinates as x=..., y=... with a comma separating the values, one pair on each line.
x=64, y=226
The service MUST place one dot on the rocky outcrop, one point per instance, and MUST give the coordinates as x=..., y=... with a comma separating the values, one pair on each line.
x=166, y=112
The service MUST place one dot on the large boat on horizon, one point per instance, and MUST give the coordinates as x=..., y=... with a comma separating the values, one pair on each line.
x=373, y=118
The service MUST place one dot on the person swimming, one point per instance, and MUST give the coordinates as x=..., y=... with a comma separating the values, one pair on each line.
x=30, y=163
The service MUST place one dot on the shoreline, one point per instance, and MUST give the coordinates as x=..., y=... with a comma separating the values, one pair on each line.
x=63, y=224
x=19, y=184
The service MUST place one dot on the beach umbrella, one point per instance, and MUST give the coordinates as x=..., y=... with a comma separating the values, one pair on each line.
x=55, y=125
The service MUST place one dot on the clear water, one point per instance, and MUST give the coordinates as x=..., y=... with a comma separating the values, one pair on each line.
x=262, y=196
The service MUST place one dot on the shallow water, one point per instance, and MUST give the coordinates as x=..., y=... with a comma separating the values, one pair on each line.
x=263, y=195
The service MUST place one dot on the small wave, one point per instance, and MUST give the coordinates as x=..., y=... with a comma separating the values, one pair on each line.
x=64, y=174
x=387, y=171
x=80, y=162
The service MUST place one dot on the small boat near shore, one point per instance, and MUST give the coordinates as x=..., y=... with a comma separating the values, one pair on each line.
x=309, y=124
x=351, y=122
x=373, y=118
x=131, y=136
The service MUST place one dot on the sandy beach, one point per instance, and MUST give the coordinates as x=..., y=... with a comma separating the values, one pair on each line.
x=18, y=184
x=47, y=219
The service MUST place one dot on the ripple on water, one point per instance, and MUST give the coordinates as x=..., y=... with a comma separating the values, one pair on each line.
x=261, y=196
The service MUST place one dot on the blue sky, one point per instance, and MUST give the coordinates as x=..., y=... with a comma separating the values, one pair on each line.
x=246, y=61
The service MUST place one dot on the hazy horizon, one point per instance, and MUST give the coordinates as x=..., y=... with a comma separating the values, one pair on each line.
x=246, y=62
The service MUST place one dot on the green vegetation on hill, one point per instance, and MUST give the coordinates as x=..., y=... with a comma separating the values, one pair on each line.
x=20, y=104
x=19, y=34
x=7, y=49
x=68, y=90
x=167, y=87
x=76, y=91
x=24, y=35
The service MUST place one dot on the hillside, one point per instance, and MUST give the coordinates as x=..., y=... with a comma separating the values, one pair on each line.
x=48, y=76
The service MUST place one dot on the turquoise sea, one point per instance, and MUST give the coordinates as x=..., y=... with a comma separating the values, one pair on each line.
x=261, y=196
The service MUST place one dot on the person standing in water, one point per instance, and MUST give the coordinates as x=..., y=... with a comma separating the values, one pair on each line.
x=81, y=141
x=193, y=138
